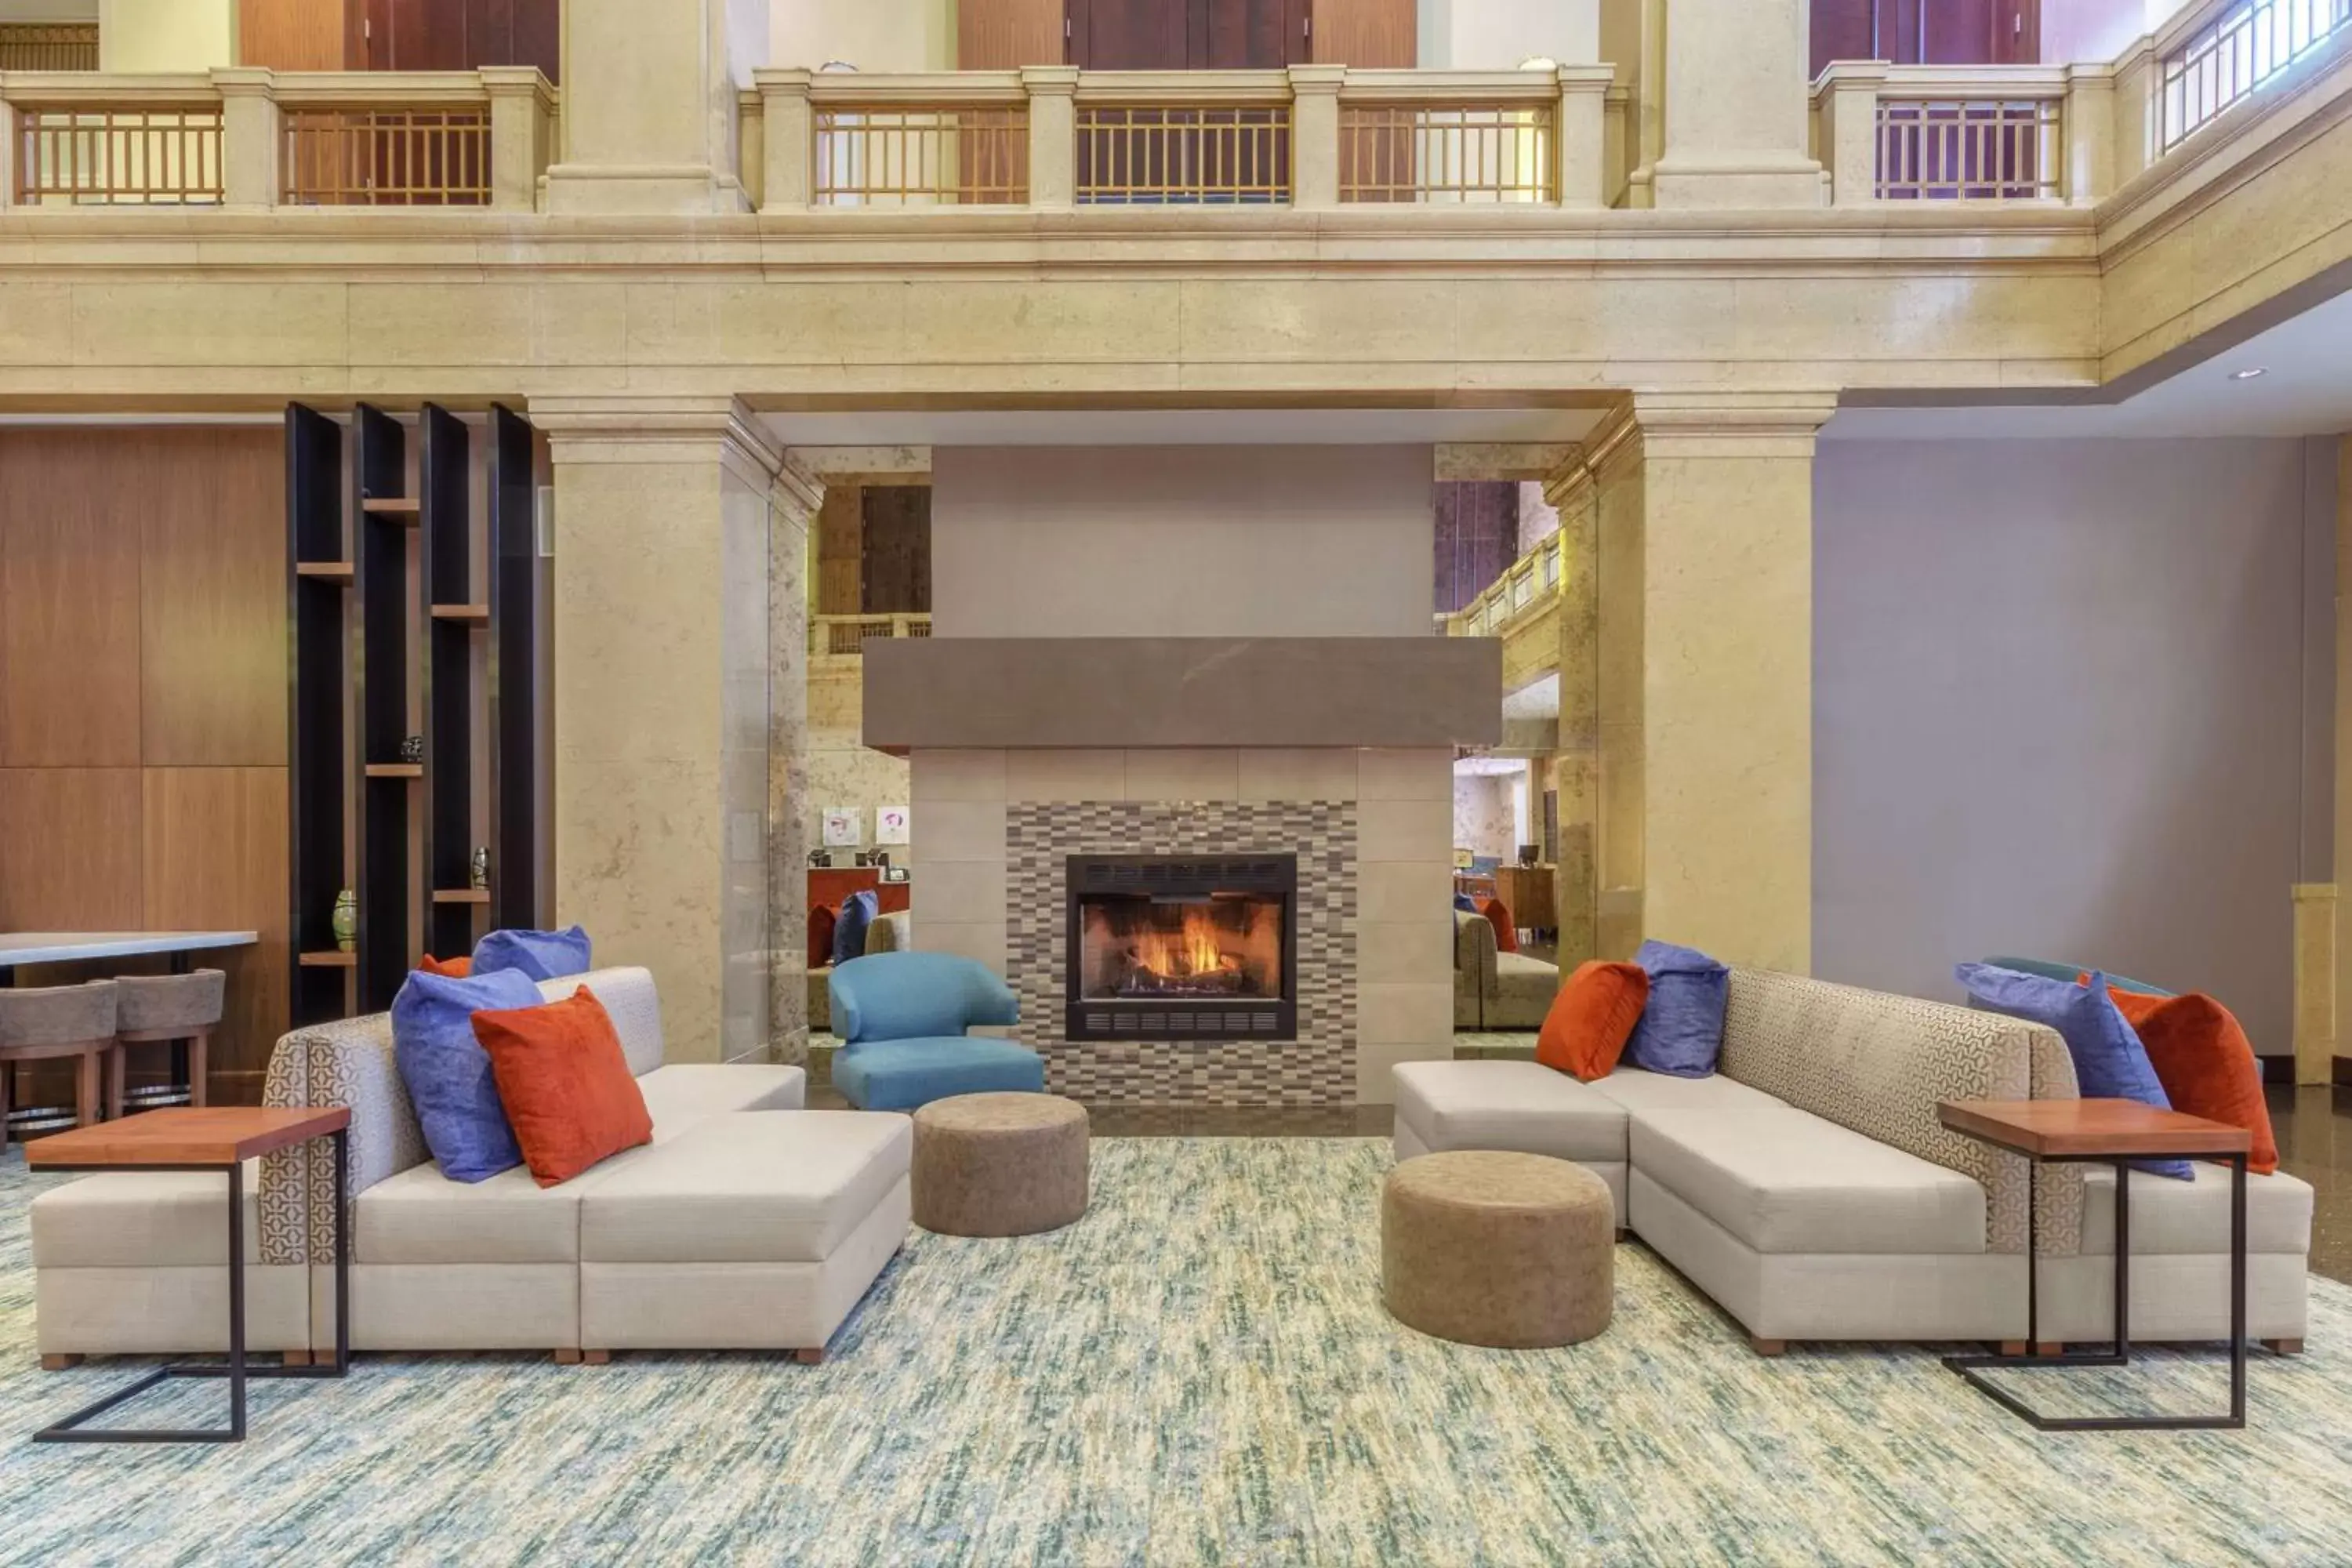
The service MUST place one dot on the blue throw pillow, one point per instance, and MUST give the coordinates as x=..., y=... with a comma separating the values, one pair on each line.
x=447, y=1073
x=849, y=923
x=1465, y=903
x=2109, y=1061
x=2058, y=968
x=540, y=954
x=1681, y=1031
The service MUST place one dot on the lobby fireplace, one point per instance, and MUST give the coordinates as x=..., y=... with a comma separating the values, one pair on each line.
x=1182, y=947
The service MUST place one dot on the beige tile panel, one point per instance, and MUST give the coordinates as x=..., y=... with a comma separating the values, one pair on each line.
x=958, y=775
x=1416, y=952
x=1316, y=774
x=1417, y=830
x=1034, y=777
x=1399, y=1022
x=1406, y=890
x=960, y=830
x=1183, y=775
x=1425, y=775
x=981, y=941
x=957, y=892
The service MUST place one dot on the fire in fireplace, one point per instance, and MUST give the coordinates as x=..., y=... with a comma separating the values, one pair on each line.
x=1182, y=946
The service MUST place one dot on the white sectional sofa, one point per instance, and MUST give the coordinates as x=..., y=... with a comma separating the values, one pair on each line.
x=1809, y=1188
x=748, y=1223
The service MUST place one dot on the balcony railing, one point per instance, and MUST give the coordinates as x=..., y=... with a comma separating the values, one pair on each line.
x=1955, y=133
x=845, y=637
x=48, y=47
x=2230, y=54
x=1530, y=581
x=262, y=139
x=1054, y=138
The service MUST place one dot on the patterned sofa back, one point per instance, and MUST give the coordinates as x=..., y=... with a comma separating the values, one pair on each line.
x=351, y=1063
x=1878, y=1064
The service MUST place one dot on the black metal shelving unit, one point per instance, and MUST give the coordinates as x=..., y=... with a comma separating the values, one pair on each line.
x=360, y=619
x=318, y=587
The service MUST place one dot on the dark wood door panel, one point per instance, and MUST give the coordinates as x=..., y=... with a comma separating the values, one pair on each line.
x=1130, y=35
x=1376, y=35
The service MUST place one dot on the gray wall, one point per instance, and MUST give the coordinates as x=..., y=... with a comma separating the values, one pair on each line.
x=1181, y=540
x=2072, y=700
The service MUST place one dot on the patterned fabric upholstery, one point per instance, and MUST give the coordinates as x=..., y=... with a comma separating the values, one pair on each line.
x=351, y=1063
x=1878, y=1064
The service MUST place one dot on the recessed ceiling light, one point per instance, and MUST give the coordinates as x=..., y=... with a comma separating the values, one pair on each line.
x=2251, y=372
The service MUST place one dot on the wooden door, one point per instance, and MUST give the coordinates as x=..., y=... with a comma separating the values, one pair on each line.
x=2016, y=32
x=459, y=34
x=1131, y=34
x=1188, y=34
x=1925, y=32
x=896, y=557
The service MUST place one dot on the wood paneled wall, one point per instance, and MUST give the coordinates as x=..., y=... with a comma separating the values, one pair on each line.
x=1006, y=34
x=142, y=700
x=297, y=35
x=1383, y=35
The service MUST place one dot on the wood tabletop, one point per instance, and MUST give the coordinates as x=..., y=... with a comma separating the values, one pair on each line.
x=2098, y=1129
x=221, y=1135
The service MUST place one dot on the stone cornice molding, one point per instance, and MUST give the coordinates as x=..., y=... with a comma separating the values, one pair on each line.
x=1760, y=424
x=637, y=428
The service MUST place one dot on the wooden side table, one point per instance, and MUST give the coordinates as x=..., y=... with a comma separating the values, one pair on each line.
x=214, y=1138
x=2117, y=1133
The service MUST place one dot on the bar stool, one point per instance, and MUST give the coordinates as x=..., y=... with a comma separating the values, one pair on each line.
x=160, y=1009
x=43, y=1023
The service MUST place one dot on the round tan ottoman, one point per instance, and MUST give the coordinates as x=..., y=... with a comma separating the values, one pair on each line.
x=1489, y=1248
x=999, y=1165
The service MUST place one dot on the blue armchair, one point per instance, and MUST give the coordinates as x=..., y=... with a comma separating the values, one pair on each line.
x=901, y=1017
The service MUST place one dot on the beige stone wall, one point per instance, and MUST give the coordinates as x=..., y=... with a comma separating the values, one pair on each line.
x=871, y=35
x=1404, y=800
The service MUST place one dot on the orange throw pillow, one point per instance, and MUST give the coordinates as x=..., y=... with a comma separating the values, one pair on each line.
x=1506, y=933
x=1591, y=1019
x=565, y=1084
x=2205, y=1063
x=450, y=968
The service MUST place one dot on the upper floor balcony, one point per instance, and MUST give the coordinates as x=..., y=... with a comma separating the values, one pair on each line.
x=1575, y=137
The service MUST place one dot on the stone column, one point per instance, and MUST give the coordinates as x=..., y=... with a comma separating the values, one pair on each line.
x=2309, y=1069
x=649, y=91
x=1736, y=107
x=797, y=496
x=250, y=133
x=1574, y=491
x=1705, y=673
x=1314, y=136
x=663, y=555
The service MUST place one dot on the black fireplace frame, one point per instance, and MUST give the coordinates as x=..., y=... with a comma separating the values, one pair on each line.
x=1174, y=1020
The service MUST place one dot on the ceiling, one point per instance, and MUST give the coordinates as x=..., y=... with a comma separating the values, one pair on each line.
x=1182, y=427
x=2305, y=390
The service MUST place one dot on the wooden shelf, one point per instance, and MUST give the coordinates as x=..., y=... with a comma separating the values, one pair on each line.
x=395, y=770
x=472, y=614
x=324, y=570
x=391, y=508
x=461, y=895
x=333, y=958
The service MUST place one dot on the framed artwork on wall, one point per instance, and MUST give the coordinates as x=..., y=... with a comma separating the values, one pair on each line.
x=844, y=827
x=891, y=824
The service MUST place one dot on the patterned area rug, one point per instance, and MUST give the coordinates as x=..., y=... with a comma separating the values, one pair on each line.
x=1198, y=1373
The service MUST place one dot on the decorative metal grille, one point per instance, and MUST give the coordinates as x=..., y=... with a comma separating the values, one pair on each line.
x=1208, y=155
x=1968, y=150
x=48, y=47
x=110, y=157
x=2237, y=52
x=1411, y=153
x=932, y=156
x=355, y=157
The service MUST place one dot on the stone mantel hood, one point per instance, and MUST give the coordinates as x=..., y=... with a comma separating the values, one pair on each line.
x=1024, y=693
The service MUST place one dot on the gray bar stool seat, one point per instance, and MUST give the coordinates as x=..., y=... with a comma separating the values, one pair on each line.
x=45, y=1023
x=165, y=1009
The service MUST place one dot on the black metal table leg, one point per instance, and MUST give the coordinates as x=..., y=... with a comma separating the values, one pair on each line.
x=177, y=964
x=1972, y=1367
x=70, y=1429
